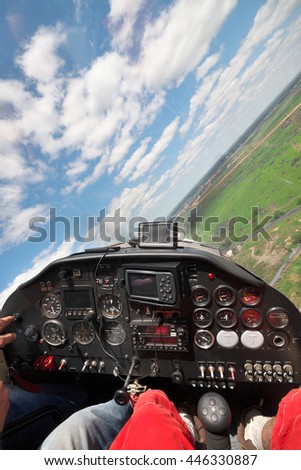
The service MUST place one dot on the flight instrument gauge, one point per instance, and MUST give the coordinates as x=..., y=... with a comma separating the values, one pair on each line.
x=250, y=296
x=110, y=306
x=200, y=296
x=54, y=332
x=278, y=317
x=204, y=339
x=226, y=317
x=51, y=306
x=83, y=332
x=114, y=333
x=224, y=296
x=202, y=317
x=251, y=317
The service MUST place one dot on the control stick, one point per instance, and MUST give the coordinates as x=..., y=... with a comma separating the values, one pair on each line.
x=215, y=415
x=121, y=396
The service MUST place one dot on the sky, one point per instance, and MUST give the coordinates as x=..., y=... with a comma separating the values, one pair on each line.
x=116, y=109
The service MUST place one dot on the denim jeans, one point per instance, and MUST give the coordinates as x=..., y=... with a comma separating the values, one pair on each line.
x=92, y=428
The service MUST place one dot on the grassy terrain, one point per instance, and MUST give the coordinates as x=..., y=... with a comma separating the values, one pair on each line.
x=261, y=181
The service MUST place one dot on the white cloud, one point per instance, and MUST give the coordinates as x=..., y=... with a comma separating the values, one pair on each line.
x=148, y=160
x=123, y=16
x=180, y=37
x=40, y=61
x=15, y=225
x=98, y=113
x=269, y=17
x=208, y=63
x=132, y=162
x=129, y=200
x=78, y=5
x=92, y=108
x=242, y=80
x=76, y=168
x=129, y=203
x=199, y=98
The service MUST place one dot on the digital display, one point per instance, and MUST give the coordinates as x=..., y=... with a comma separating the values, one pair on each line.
x=143, y=285
x=156, y=286
x=161, y=341
x=77, y=298
x=162, y=330
x=159, y=234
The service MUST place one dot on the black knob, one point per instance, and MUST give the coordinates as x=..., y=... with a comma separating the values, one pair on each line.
x=180, y=333
x=177, y=377
x=121, y=397
x=89, y=315
x=63, y=274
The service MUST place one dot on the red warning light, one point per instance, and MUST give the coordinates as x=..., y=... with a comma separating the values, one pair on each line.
x=211, y=276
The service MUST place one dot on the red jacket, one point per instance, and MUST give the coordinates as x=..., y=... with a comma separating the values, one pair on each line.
x=154, y=425
x=286, y=433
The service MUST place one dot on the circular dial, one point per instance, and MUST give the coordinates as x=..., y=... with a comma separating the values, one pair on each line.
x=31, y=333
x=277, y=317
x=51, y=306
x=250, y=296
x=226, y=317
x=110, y=306
x=224, y=296
x=83, y=332
x=251, y=317
x=54, y=332
x=204, y=339
x=114, y=333
x=200, y=296
x=202, y=317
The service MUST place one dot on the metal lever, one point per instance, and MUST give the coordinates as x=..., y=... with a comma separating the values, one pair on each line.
x=121, y=396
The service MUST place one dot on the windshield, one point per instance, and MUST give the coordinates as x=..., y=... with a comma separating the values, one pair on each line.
x=117, y=112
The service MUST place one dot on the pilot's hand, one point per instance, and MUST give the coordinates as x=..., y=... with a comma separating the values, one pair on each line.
x=7, y=337
x=4, y=404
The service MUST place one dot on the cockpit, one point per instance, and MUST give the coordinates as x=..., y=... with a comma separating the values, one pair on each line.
x=173, y=314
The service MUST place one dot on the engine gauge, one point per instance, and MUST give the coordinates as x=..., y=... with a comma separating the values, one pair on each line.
x=226, y=317
x=224, y=296
x=51, y=306
x=251, y=317
x=204, y=339
x=250, y=296
x=277, y=317
x=110, y=306
x=114, y=333
x=200, y=296
x=202, y=317
x=54, y=332
x=83, y=332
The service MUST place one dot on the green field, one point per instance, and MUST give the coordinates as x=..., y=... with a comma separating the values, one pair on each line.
x=259, y=183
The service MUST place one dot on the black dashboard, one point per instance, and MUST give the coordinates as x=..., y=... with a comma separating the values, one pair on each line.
x=186, y=314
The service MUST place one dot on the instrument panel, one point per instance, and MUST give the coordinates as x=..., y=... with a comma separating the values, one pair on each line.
x=187, y=314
